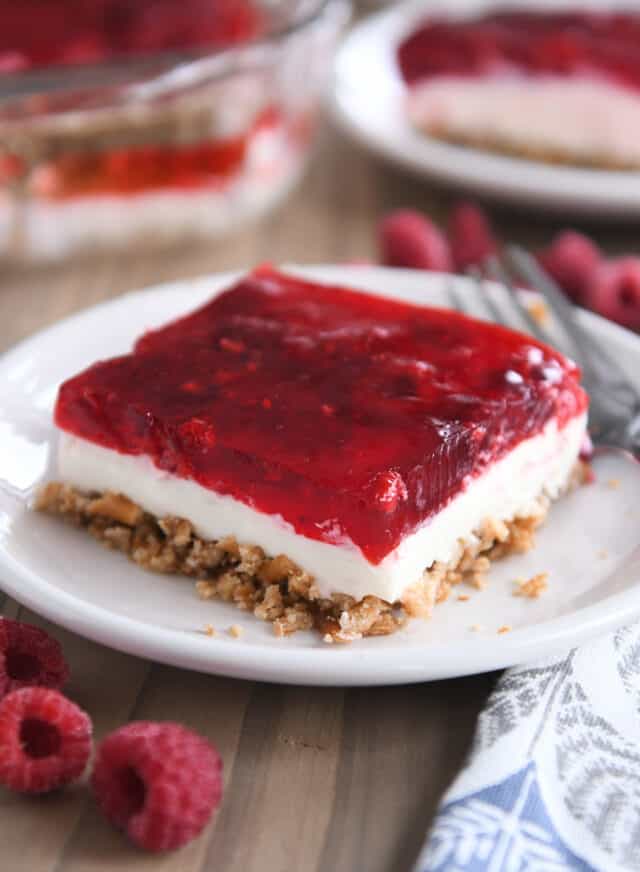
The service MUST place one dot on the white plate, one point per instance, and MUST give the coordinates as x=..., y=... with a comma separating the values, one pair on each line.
x=589, y=545
x=368, y=100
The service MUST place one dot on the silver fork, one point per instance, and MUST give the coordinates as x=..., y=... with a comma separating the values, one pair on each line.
x=614, y=411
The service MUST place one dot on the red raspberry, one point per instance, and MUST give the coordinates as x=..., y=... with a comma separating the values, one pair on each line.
x=159, y=782
x=407, y=238
x=614, y=291
x=571, y=260
x=470, y=236
x=28, y=657
x=45, y=740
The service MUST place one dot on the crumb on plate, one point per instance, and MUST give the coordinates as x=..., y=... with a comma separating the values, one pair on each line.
x=532, y=587
x=505, y=628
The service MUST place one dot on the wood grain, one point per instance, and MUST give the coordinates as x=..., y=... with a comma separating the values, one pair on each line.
x=317, y=780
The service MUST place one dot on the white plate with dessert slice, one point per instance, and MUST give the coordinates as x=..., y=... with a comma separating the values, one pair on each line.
x=567, y=121
x=581, y=578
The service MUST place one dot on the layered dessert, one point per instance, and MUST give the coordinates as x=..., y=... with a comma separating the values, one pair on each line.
x=321, y=456
x=561, y=87
x=125, y=124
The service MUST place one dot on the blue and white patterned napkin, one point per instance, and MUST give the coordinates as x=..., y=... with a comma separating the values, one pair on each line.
x=552, y=782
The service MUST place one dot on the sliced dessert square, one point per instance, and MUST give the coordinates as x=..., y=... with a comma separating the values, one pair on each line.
x=554, y=86
x=322, y=456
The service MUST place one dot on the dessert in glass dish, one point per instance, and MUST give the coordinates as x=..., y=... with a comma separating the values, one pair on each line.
x=323, y=457
x=130, y=123
x=555, y=86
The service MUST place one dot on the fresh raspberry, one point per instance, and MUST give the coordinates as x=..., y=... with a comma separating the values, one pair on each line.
x=571, y=260
x=45, y=740
x=159, y=782
x=407, y=238
x=28, y=657
x=614, y=291
x=470, y=236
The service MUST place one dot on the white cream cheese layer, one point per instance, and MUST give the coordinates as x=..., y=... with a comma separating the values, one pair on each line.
x=582, y=118
x=509, y=489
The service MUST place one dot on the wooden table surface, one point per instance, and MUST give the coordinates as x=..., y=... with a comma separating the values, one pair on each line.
x=317, y=780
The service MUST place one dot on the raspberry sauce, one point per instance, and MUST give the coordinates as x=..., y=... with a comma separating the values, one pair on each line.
x=352, y=416
x=529, y=43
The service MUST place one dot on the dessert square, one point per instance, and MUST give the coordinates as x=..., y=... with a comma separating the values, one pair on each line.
x=557, y=86
x=322, y=456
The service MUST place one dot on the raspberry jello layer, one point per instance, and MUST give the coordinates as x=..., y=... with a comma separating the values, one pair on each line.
x=370, y=446
x=554, y=86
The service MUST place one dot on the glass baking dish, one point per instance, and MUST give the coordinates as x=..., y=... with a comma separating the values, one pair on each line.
x=150, y=148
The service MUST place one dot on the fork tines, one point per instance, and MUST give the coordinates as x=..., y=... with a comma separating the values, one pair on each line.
x=502, y=285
